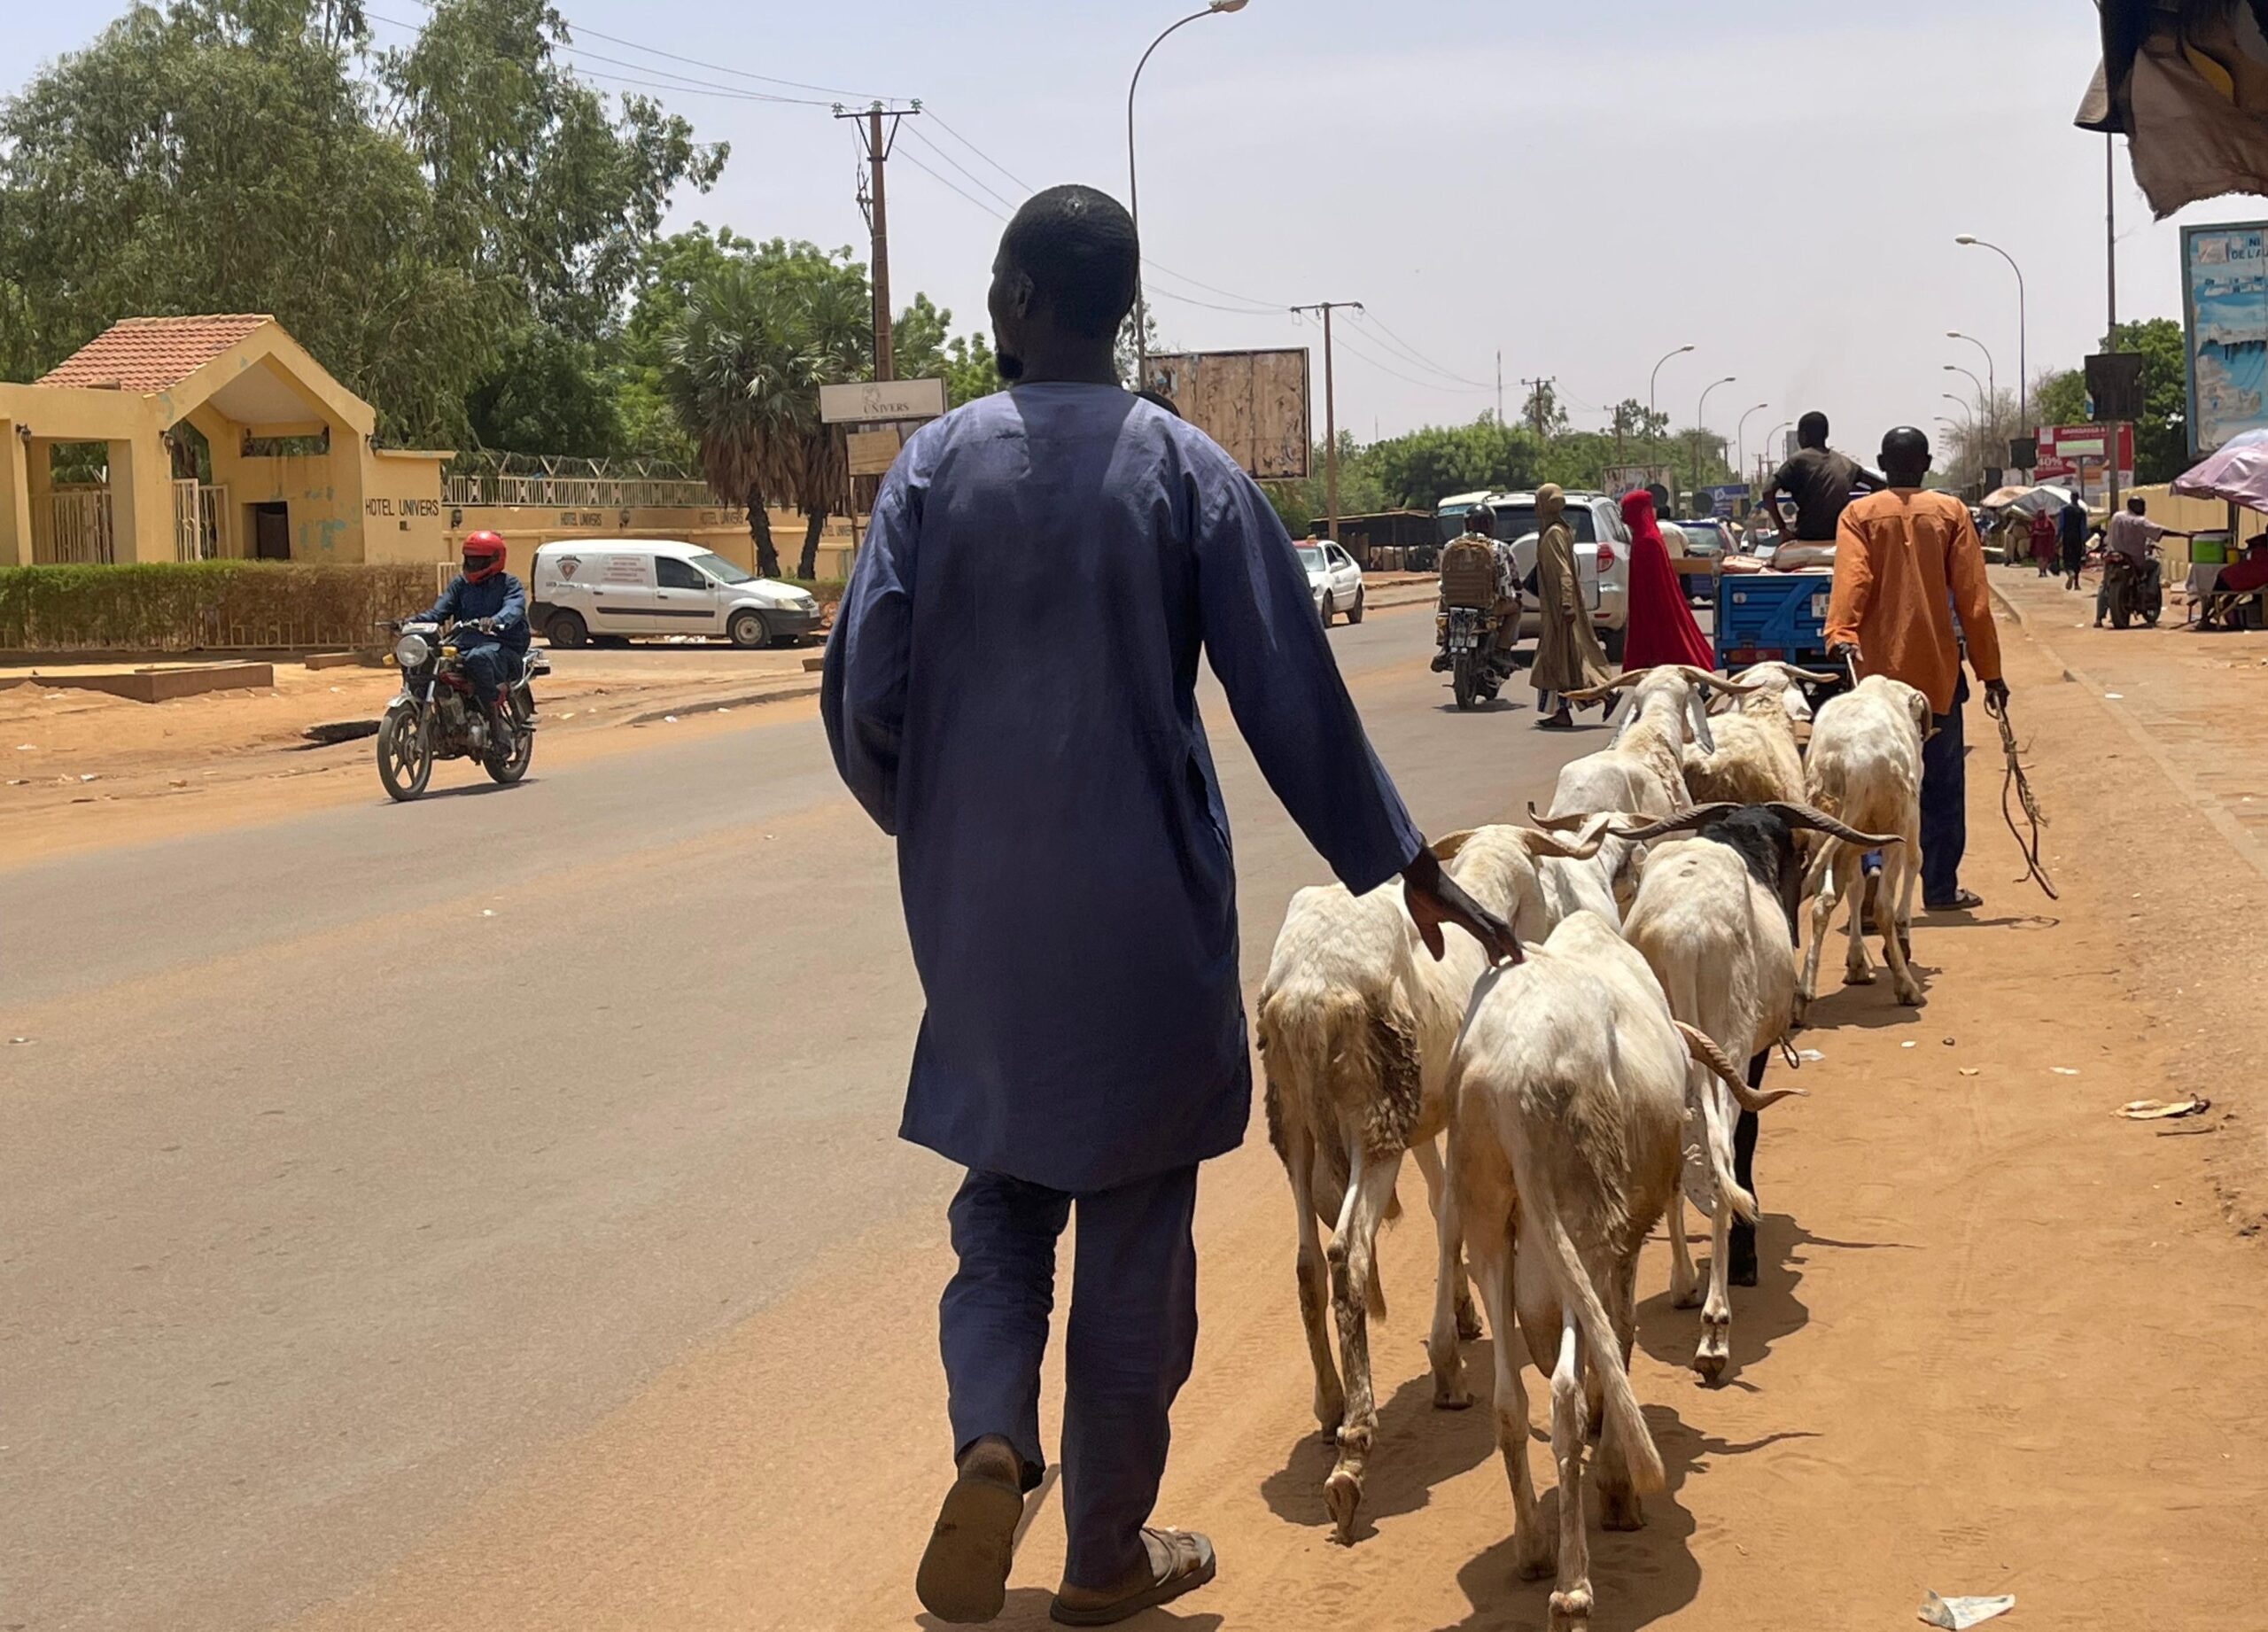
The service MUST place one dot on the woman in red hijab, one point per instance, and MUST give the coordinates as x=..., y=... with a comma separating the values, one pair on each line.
x=1662, y=629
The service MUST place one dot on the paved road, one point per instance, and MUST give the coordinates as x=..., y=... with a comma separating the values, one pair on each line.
x=352, y=1160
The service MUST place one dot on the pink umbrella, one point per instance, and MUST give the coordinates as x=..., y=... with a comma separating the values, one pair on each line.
x=2236, y=474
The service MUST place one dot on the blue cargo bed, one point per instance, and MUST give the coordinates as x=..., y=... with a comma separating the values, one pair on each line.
x=1762, y=617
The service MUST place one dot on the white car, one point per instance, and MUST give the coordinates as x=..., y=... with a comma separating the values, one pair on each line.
x=1601, y=558
x=585, y=587
x=1333, y=579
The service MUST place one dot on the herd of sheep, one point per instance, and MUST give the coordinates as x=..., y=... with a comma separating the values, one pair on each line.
x=1589, y=1088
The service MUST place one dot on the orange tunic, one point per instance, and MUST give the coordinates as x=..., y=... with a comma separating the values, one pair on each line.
x=1906, y=561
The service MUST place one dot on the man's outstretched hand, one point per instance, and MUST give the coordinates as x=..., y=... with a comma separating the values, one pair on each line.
x=1436, y=898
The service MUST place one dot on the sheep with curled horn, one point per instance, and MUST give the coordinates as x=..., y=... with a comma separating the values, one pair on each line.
x=1357, y=1026
x=1642, y=769
x=1757, y=758
x=1715, y=918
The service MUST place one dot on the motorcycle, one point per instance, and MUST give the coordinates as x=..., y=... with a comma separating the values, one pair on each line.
x=1469, y=652
x=2133, y=591
x=438, y=717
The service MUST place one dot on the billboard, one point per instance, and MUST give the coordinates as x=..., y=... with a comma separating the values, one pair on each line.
x=1254, y=404
x=865, y=401
x=1728, y=500
x=2225, y=330
x=2073, y=453
x=1617, y=479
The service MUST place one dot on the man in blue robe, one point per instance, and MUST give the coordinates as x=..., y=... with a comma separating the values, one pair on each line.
x=1010, y=691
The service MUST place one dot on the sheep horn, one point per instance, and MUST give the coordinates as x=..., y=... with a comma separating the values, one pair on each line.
x=1687, y=821
x=1820, y=821
x=1547, y=842
x=1446, y=849
x=1730, y=688
x=1554, y=824
x=1620, y=682
x=1704, y=1049
x=1816, y=677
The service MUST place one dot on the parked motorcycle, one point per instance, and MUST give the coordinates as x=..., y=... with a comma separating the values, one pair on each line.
x=438, y=717
x=2133, y=591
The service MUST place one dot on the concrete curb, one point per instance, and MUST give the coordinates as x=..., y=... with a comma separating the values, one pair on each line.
x=710, y=705
x=2203, y=802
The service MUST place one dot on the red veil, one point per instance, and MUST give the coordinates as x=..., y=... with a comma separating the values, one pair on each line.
x=1661, y=627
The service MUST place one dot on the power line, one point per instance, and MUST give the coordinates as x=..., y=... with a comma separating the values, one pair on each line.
x=979, y=151
x=1214, y=306
x=1409, y=379
x=1390, y=338
x=976, y=180
x=950, y=187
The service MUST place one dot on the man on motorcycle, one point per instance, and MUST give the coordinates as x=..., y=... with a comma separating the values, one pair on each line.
x=491, y=609
x=1504, y=592
x=2129, y=534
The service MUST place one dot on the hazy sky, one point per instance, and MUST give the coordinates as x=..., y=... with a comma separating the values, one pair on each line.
x=1582, y=186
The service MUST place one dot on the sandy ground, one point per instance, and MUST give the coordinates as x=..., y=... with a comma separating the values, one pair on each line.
x=2006, y=1341
x=82, y=769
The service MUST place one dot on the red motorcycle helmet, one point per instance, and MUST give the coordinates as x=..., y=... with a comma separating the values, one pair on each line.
x=484, y=557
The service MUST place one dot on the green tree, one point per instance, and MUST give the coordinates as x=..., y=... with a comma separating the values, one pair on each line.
x=2161, y=434
x=547, y=394
x=224, y=157
x=1417, y=471
x=924, y=349
x=742, y=368
x=553, y=196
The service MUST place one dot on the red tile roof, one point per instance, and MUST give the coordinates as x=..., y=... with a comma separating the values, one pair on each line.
x=145, y=354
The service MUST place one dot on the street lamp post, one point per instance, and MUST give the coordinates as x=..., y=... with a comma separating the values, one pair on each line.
x=1989, y=408
x=2024, y=365
x=1133, y=193
x=1968, y=413
x=1777, y=437
x=1699, y=416
x=1991, y=373
x=1740, y=438
x=1654, y=379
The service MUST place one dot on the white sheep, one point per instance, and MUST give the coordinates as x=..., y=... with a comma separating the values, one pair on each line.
x=1564, y=1149
x=1356, y=1024
x=1642, y=769
x=1756, y=760
x=1864, y=767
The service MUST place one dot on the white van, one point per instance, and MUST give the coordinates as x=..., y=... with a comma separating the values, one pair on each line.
x=584, y=587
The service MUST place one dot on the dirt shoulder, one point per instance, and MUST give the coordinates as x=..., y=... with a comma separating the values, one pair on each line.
x=2147, y=747
x=80, y=769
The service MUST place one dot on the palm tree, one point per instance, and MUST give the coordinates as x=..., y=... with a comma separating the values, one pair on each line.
x=742, y=369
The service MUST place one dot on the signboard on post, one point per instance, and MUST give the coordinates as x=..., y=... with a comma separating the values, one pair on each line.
x=2065, y=451
x=1728, y=500
x=873, y=452
x=865, y=401
x=1254, y=404
x=1617, y=479
x=2224, y=332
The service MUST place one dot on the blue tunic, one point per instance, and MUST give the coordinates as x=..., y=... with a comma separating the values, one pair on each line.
x=1010, y=690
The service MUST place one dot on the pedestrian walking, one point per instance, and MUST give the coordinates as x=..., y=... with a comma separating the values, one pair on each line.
x=2045, y=541
x=1567, y=653
x=2071, y=533
x=1009, y=690
x=1907, y=560
x=1661, y=627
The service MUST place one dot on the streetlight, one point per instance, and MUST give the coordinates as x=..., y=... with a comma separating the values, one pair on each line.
x=1133, y=195
x=2023, y=366
x=1740, y=438
x=1967, y=412
x=1991, y=407
x=1991, y=373
x=1651, y=380
x=1700, y=414
x=1777, y=437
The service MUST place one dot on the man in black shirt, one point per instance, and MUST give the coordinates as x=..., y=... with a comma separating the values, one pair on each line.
x=1819, y=480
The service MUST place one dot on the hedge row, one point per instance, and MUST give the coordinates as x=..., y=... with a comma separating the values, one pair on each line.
x=203, y=605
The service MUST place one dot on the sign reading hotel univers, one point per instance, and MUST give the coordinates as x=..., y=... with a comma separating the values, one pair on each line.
x=880, y=399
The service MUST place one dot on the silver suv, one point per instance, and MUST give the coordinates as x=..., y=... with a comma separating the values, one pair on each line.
x=1602, y=557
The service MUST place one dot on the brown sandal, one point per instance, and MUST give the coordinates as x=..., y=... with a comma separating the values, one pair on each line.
x=1189, y=1565
x=964, y=1573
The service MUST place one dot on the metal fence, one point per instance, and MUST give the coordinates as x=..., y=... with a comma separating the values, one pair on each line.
x=73, y=527
x=200, y=522
x=579, y=493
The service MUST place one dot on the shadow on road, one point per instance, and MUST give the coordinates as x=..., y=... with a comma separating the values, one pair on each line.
x=1417, y=1448
x=1026, y=1611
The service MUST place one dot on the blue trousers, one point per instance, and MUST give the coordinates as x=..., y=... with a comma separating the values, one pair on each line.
x=1131, y=1337
x=1945, y=804
x=485, y=666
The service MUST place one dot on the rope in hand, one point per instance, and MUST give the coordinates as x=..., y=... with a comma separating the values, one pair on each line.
x=2015, y=781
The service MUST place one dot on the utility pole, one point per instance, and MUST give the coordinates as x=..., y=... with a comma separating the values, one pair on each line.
x=1500, y=385
x=877, y=142
x=2110, y=285
x=1541, y=404
x=1329, y=415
